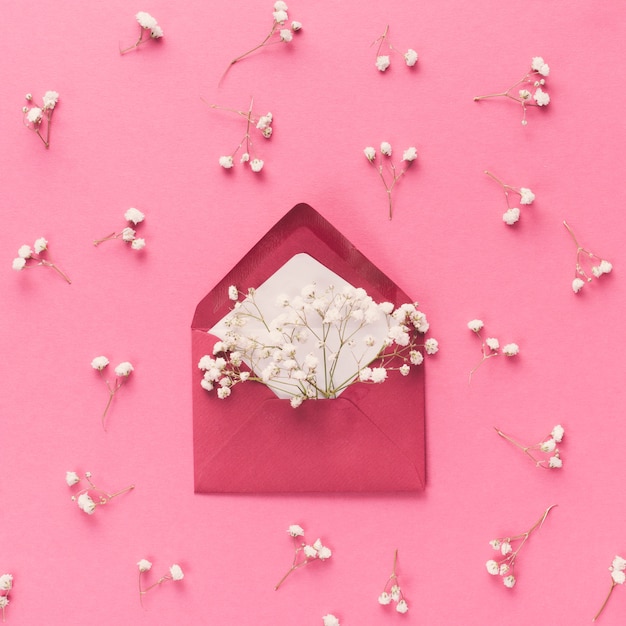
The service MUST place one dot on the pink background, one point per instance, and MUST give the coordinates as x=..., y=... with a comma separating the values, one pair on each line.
x=133, y=131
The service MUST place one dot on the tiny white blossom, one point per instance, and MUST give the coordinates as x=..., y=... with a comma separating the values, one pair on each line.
x=618, y=563
x=524, y=94
x=286, y=35
x=4, y=601
x=245, y=157
x=50, y=99
x=41, y=244
x=124, y=369
x=509, y=581
x=176, y=572
x=145, y=20
x=128, y=234
x=431, y=346
x=384, y=598
x=25, y=252
x=71, y=478
x=6, y=582
x=618, y=577
x=541, y=97
x=144, y=565
x=410, y=154
x=280, y=16
x=385, y=148
x=475, y=325
x=492, y=567
x=495, y=544
x=138, y=244
x=295, y=530
x=492, y=343
x=555, y=462
x=402, y=606
x=382, y=62
x=577, y=284
x=324, y=553
x=99, y=363
x=511, y=349
x=34, y=115
x=310, y=552
x=19, y=264
x=233, y=293
x=527, y=196
x=511, y=216
x=330, y=620
x=370, y=153
x=557, y=433
x=256, y=165
x=296, y=26
x=378, y=375
x=226, y=162
x=405, y=370
x=416, y=357
x=605, y=267
x=410, y=57
x=548, y=446
x=279, y=5
x=506, y=548
x=86, y=504
x=223, y=392
x=134, y=215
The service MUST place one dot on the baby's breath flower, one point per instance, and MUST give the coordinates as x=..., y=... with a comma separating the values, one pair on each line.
x=410, y=57
x=431, y=346
x=71, y=478
x=295, y=530
x=25, y=252
x=34, y=115
x=370, y=153
x=384, y=598
x=490, y=347
x=492, y=567
x=509, y=581
x=99, y=363
x=296, y=26
x=148, y=29
x=144, y=565
x=124, y=369
x=410, y=154
x=26, y=258
x=19, y=264
x=256, y=165
x=6, y=582
x=577, y=284
x=541, y=97
x=402, y=606
x=330, y=620
x=138, y=244
x=475, y=325
x=86, y=504
x=527, y=196
x=557, y=433
x=385, y=148
x=176, y=572
x=41, y=245
x=492, y=343
x=511, y=216
x=50, y=99
x=511, y=349
x=382, y=62
x=286, y=35
x=134, y=215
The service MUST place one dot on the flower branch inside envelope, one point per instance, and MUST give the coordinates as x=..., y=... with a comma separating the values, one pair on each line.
x=330, y=351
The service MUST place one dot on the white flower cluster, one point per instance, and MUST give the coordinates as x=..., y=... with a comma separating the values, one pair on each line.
x=330, y=620
x=313, y=337
x=148, y=29
x=281, y=31
x=386, y=167
x=490, y=347
x=262, y=123
x=530, y=88
x=175, y=574
x=90, y=497
x=383, y=61
x=35, y=115
x=128, y=235
x=6, y=584
x=304, y=552
x=122, y=372
x=547, y=447
x=599, y=266
x=526, y=197
x=508, y=548
x=618, y=577
x=392, y=592
x=31, y=257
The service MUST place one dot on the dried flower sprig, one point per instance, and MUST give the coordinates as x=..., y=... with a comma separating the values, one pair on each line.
x=618, y=577
x=90, y=497
x=321, y=342
x=174, y=574
x=122, y=372
x=534, y=79
x=280, y=31
x=128, y=234
x=526, y=196
x=304, y=553
x=599, y=266
x=148, y=30
x=392, y=590
x=28, y=257
x=408, y=156
x=383, y=61
x=262, y=123
x=6, y=584
x=551, y=457
x=330, y=620
x=490, y=347
x=505, y=545
x=38, y=116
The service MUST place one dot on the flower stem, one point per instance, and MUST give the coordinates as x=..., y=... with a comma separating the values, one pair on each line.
x=97, y=242
x=56, y=269
x=613, y=583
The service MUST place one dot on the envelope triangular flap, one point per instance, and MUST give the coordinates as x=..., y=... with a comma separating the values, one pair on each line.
x=371, y=438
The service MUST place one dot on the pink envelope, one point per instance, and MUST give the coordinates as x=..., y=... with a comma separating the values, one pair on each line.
x=370, y=438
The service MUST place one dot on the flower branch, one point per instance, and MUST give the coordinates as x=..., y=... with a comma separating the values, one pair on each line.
x=28, y=257
x=490, y=347
x=128, y=235
x=383, y=61
x=38, y=116
x=526, y=196
x=122, y=372
x=547, y=447
x=584, y=257
x=6, y=584
x=392, y=590
x=90, y=497
x=618, y=577
x=148, y=30
x=174, y=574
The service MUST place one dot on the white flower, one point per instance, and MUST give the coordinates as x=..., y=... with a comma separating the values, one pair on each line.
x=310, y=552
x=382, y=62
x=4, y=601
x=504, y=568
x=280, y=17
x=618, y=577
x=384, y=598
x=511, y=349
x=410, y=154
x=25, y=252
x=577, y=284
x=86, y=504
x=509, y=581
x=245, y=157
x=495, y=544
x=134, y=215
x=145, y=20
x=527, y=195
x=505, y=548
x=138, y=244
x=618, y=564
x=233, y=293
x=50, y=98
x=416, y=357
x=324, y=553
x=385, y=148
x=475, y=325
x=605, y=267
x=405, y=370
x=330, y=620
x=99, y=363
x=296, y=26
x=296, y=401
x=34, y=115
x=492, y=343
x=402, y=606
x=19, y=264
x=176, y=572
x=156, y=32
x=6, y=582
x=431, y=346
x=71, y=478
x=124, y=369
x=541, y=97
x=378, y=375
x=226, y=162
x=223, y=392
x=410, y=56
x=128, y=234
x=144, y=565
x=370, y=153
x=41, y=244
x=511, y=216
x=279, y=5
x=524, y=94
x=555, y=462
x=256, y=165
x=537, y=63
x=548, y=446
x=286, y=35
x=295, y=530
x=557, y=433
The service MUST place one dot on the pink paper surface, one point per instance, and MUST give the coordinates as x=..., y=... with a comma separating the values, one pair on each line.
x=134, y=131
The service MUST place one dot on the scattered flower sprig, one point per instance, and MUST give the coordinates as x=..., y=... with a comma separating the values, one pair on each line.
x=335, y=323
x=304, y=553
x=599, y=266
x=547, y=447
x=330, y=620
x=174, y=574
x=262, y=123
x=383, y=61
x=38, y=116
x=280, y=32
x=618, y=577
x=529, y=88
x=490, y=347
x=148, y=30
x=408, y=156
x=90, y=497
x=392, y=590
x=6, y=584
x=122, y=372
x=505, y=546
x=28, y=257
x=128, y=235
x=526, y=196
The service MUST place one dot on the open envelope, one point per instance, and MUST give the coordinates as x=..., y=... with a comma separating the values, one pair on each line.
x=370, y=438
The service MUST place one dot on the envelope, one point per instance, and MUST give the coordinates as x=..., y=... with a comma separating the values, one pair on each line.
x=371, y=438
